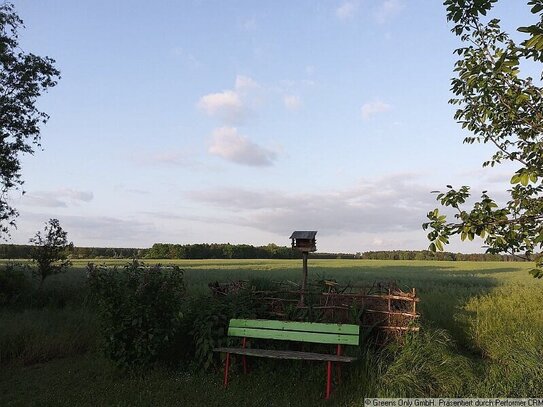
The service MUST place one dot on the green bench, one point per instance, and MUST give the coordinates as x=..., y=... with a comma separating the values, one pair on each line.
x=332, y=334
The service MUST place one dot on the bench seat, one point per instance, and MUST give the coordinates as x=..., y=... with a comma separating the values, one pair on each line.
x=301, y=332
x=286, y=354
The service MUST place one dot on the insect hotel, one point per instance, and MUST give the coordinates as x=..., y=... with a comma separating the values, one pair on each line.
x=304, y=241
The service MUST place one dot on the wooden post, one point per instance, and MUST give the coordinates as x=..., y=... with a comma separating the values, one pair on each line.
x=389, y=308
x=304, y=278
x=414, y=304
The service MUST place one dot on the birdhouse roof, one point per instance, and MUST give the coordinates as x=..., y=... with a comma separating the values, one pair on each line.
x=303, y=234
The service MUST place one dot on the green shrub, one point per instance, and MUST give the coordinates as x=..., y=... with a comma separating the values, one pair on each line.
x=209, y=318
x=140, y=309
x=14, y=285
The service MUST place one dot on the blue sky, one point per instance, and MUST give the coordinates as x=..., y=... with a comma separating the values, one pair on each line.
x=213, y=121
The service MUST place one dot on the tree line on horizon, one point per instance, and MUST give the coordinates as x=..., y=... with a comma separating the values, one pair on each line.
x=241, y=251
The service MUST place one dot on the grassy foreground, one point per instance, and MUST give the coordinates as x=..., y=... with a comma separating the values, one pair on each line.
x=482, y=336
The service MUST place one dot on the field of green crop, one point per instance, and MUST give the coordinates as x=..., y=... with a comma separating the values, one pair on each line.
x=481, y=336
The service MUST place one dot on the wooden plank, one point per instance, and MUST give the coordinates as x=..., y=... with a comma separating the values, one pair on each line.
x=278, y=299
x=347, y=329
x=294, y=336
x=282, y=354
x=397, y=328
x=405, y=314
x=389, y=308
x=373, y=296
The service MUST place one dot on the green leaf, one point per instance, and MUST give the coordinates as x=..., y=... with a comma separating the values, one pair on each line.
x=535, y=42
x=531, y=29
x=500, y=63
x=524, y=179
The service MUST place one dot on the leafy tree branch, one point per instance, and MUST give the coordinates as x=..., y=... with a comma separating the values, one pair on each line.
x=498, y=106
x=23, y=78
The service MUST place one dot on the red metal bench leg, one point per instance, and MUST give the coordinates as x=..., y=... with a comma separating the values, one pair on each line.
x=338, y=365
x=328, y=380
x=226, y=368
x=243, y=358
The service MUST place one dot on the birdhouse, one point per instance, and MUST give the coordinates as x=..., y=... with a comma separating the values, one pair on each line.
x=304, y=240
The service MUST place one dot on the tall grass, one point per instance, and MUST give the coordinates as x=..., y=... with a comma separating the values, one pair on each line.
x=39, y=335
x=47, y=323
x=506, y=327
x=426, y=365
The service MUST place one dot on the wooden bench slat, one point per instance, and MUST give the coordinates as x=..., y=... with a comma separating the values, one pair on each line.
x=349, y=329
x=294, y=336
x=282, y=354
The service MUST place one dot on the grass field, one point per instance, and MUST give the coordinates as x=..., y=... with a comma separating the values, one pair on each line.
x=482, y=335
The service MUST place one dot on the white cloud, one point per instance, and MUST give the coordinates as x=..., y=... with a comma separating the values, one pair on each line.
x=388, y=10
x=168, y=158
x=232, y=146
x=60, y=198
x=85, y=196
x=489, y=175
x=233, y=105
x=137, y=191
x=92, y=230
x=225, y=105
x=370, y=109
x=387, y=205
x=245, y=83
x=377, y=241
x=347, y=10
x=105, y=228
x=292, y=102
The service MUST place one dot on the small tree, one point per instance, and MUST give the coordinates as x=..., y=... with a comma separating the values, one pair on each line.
x=50, y=252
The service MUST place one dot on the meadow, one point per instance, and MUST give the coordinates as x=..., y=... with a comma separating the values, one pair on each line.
x=481, y=336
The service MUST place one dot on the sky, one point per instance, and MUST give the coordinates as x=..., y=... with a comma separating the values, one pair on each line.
x=211, y=121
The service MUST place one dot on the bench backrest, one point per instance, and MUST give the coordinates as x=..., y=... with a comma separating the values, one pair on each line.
x=340, y=334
